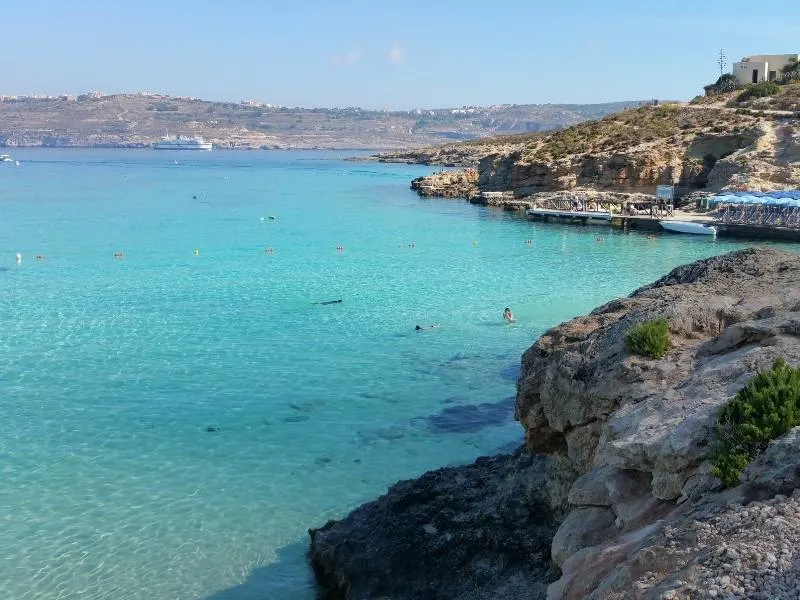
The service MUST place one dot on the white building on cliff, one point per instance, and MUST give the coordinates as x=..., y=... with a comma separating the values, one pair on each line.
x=763, y=67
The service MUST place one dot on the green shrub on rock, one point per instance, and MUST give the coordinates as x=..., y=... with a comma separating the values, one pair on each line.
x=650, y=339
x=726, y=83
x=759, y=90
x=764, y=409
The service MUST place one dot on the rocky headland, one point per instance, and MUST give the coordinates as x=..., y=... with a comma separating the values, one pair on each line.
x=613, y=494
x=693, y=146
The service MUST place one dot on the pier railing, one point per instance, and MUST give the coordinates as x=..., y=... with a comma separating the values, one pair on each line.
x=763, y=215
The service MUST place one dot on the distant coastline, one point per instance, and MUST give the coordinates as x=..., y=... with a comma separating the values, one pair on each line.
x=97, y=120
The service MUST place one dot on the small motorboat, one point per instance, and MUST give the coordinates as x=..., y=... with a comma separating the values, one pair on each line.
x=5, y=158
x=688, y=227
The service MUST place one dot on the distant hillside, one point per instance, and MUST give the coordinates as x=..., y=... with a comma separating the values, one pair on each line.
x=135, y=120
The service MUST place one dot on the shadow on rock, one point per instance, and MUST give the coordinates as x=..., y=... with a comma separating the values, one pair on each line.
x=473, y=532
x=286, y=578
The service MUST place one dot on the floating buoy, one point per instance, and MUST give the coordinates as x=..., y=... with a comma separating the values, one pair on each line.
x=196, y=252
x=19, y=258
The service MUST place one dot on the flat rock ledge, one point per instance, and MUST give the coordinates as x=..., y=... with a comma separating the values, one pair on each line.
x=613, y=496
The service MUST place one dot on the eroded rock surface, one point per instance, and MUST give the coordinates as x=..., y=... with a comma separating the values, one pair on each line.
x=450, y=184
x=453, y=533
x=653, y=421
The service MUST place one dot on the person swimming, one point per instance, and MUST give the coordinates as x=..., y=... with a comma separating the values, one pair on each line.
x=508, y=315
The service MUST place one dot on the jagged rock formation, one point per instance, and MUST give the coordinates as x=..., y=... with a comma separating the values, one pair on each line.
x=462, y=522
x=447, y=184
x=621, y=478
x=691, y=146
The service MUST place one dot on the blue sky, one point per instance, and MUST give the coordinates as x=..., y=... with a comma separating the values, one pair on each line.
x=376, y=54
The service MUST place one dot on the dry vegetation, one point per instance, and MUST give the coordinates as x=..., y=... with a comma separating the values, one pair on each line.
x=668, y=123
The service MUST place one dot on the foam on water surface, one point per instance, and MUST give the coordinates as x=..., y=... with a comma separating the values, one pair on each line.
x=173, y=423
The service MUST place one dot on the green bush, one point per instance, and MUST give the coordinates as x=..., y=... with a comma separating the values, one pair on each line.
x=764, y=409
x=650, y=339
x=759, y=90
x=790, y=72
x=725, y=83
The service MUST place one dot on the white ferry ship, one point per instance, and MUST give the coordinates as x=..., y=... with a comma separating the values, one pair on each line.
x=182, y=143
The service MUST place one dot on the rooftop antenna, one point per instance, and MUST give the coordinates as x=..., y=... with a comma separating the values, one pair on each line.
x=722, y=61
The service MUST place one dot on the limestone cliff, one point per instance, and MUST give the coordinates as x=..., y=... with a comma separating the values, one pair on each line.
x=447, y=184
x=615, y=478
x=691, y=146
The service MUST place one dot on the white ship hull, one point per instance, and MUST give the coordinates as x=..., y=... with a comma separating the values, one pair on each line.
x=182, y=144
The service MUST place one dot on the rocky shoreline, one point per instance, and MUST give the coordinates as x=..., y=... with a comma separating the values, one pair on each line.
x=690, y=147
x=612, y=495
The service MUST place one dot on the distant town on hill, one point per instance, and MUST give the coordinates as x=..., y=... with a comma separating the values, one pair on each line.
x=137, y=120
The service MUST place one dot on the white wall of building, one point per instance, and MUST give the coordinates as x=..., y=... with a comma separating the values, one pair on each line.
x=766, y=67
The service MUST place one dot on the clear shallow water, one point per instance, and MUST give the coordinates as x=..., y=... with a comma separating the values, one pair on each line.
x=113, y=371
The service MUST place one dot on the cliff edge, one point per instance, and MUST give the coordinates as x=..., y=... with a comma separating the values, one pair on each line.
x=613, y=494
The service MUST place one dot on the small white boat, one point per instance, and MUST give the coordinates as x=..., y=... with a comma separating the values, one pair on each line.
x=5, y=158
x=688, y=227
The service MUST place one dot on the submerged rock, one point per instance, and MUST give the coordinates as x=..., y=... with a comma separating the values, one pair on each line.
x=467, y=418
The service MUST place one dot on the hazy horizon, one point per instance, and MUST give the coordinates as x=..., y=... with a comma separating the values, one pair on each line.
x=110, y=93
x=398, y=57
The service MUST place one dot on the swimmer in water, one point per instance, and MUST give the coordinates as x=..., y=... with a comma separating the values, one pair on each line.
x=508, y=315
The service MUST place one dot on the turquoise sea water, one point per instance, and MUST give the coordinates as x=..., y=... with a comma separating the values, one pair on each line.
x=171, y=424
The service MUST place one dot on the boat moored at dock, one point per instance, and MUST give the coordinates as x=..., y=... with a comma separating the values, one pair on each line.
x=688, y=227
